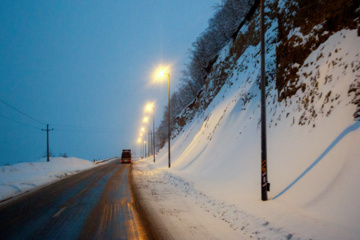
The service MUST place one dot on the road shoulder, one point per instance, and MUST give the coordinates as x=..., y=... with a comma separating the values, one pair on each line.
x=171, y=214
x=151, y=221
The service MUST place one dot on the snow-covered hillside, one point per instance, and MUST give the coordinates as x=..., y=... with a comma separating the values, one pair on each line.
x=313, y=144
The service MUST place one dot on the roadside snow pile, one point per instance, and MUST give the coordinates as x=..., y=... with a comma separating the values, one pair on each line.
x=313, y=151
x=22, y=177
x=179, y=209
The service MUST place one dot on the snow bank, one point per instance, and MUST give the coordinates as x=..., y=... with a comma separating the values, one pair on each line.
x=22, y=177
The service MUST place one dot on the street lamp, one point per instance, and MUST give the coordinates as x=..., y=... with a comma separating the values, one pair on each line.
x=141, y=134
x=140, y=143
x=150, y=107
x=144, y=148
x=161, y=74
x=146, y=119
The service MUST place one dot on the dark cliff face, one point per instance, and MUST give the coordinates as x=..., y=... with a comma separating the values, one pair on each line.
x=313, y=21
x=317, y=20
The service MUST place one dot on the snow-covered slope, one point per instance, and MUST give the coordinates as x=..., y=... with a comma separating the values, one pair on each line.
x=313, y=146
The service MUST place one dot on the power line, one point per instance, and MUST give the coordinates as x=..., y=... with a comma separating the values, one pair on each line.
x=18, y=122
x=17, y=110
x=69, y=129
x=91, y=132
x=76, y=130
x=98, y=130
x=87, y=128
x=62, y=127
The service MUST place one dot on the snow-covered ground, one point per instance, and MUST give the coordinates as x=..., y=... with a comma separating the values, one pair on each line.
x=313, y=160
x=23, y=177
x=212, y=190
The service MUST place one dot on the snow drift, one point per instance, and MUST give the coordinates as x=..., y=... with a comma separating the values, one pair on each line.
x=23, y=177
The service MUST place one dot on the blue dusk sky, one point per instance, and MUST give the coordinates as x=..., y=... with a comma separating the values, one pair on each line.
x=85, y=68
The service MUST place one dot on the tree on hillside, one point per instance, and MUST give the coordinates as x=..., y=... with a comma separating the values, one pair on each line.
x=203, y=54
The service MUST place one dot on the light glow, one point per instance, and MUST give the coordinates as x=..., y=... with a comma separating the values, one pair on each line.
x=161, y=72
x=149, y=107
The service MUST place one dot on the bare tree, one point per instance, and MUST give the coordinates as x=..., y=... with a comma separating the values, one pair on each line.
x=227, y=18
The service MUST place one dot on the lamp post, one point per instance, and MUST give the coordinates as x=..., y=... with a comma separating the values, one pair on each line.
x=144, y=146
x=169, y=118
x=147, y=119
x=140, y=144
x=141, y=134
x=153, y=136
x=162, y=73
x=150, y=107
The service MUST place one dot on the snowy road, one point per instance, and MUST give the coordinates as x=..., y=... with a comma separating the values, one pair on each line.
x=94, y=204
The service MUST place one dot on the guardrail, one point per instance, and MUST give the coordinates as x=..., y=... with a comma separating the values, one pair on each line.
x=103, y=160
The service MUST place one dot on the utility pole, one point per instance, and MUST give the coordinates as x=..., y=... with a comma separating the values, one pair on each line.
x=265, y=186
x=47, y=140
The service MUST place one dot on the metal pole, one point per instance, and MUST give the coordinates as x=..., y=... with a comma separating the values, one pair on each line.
x=153, y=133
x=265, y=186
x=144, y=147
x=169, y=118
x=150, y=138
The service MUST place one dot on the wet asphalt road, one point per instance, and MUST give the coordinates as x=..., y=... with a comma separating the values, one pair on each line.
x=94, y=204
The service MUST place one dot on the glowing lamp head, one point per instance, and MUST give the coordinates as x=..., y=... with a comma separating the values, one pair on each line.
x=161, y=73
x=149, y=107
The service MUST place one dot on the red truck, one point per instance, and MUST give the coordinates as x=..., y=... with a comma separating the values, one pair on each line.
x=126, y=156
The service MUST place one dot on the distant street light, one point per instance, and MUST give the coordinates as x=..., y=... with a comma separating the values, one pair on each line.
x=140, y=143
x=161, y=74
x=150, y=107
x=141, y=134
x=144, y=147
x=146, y=119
